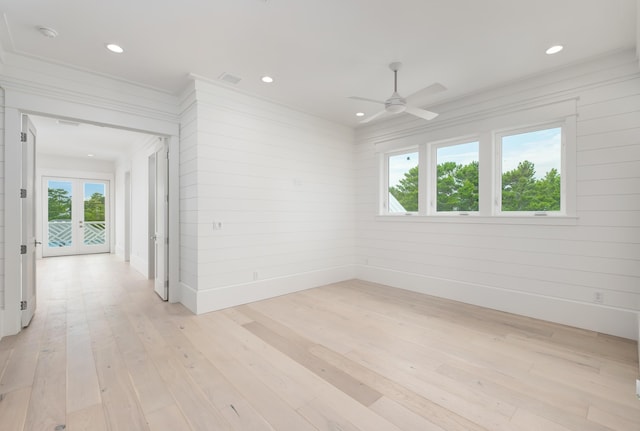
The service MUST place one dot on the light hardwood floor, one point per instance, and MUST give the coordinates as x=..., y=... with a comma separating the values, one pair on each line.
x=104, y=353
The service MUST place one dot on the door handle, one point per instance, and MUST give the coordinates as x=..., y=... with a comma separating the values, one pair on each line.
x=36, y=242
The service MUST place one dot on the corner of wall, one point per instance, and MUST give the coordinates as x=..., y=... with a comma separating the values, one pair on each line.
x=231, y=296
x=189, y=297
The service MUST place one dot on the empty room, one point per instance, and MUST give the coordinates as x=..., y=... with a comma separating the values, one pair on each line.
x=353, y=215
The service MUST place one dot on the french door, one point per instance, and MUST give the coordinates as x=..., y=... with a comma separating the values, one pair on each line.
x=76, y=217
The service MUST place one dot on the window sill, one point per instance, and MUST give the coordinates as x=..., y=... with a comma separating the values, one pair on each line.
x=549, y=220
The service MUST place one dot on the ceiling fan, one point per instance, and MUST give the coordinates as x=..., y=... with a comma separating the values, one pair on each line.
x=397, y=104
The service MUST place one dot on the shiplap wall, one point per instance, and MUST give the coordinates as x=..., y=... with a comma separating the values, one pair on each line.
x=545, y=271
x=2, y=218
x=280, y=182
x=189, y=199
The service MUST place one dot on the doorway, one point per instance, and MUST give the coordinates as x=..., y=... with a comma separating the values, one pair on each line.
x=75, y=216
x=100, y=116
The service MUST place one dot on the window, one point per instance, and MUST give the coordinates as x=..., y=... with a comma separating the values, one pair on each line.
x=402, y=182
x=530, y=170
x=510, y=176
x=457, y=177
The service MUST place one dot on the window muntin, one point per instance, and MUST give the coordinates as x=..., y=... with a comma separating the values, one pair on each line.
x=530, y=170
x=457, y=177
x=403, y=182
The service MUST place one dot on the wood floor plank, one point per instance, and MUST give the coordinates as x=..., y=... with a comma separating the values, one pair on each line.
x=88, y=419
x=168, y=419
x=341, y=380
x=47, y=405
x=21, y=367
x=419, y=405
x=527, y=421
x=236, y=410
x=13, y=408
x=404, y=418
x=265, y=400
x=199, y=412
x=122, y=408
x=613, y=421
x=103, y=352
x=83, y=389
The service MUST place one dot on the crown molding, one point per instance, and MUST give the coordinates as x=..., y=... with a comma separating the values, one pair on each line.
x=35, y=77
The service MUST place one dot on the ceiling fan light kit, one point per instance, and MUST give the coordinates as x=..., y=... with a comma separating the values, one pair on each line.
x=397, y=104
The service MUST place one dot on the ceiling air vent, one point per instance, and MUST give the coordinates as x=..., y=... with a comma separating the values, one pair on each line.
x=231, y=79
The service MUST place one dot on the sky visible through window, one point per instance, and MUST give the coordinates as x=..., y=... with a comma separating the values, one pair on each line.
x=399, y=165
x=65, y=185
x=461, y=154
x=541, y=147
x=91, y=188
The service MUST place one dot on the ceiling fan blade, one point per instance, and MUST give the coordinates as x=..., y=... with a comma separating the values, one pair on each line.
x=366, y=100
x=374, y=116
x=425, y=92
x=422, y=113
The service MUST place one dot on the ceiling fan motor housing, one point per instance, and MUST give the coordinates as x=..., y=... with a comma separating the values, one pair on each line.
x=395, y=104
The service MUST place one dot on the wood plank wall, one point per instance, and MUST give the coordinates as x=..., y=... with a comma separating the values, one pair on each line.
x=539, y=270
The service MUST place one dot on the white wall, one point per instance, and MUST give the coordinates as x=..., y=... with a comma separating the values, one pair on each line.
x=139, y=168
x=2, y=213
x=548, y=271
x=280, y=182
x=122, y=167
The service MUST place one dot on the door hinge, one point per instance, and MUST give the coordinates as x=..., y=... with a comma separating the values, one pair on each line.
x=23, y=249
x=23, y=193
x=23, y=305
x=166, y=284
x=23, y=136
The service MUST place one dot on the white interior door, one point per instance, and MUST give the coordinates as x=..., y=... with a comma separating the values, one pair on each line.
x=161, y=223
x=29, y=242
x=76, y=216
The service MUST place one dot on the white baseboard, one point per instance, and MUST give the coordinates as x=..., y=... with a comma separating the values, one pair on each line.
x=594, y=317
x=119, y=251
x=189, y=297
x=230, y=296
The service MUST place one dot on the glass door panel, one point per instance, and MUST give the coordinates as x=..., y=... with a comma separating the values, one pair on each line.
x=95, y=224
x=77, y=216
x=59, y=214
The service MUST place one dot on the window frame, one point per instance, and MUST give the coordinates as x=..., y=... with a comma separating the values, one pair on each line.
x=490, y=169
x=384, y=201
x=432, y=170
x=497, y=192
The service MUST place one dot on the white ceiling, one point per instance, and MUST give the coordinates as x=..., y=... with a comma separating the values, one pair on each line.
x=70, y=139
x=320, y=51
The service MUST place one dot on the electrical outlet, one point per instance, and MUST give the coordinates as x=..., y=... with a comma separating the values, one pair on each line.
x=598, y=297
x=217, y=225
x=255, y=275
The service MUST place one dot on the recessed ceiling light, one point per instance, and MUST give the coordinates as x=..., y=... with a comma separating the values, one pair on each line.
x=89, y=155
x=267, y=79
x=554, y=49
x=359, y=114
x=115, y=48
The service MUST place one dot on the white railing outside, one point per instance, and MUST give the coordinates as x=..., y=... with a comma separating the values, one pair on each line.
x=60, y=233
